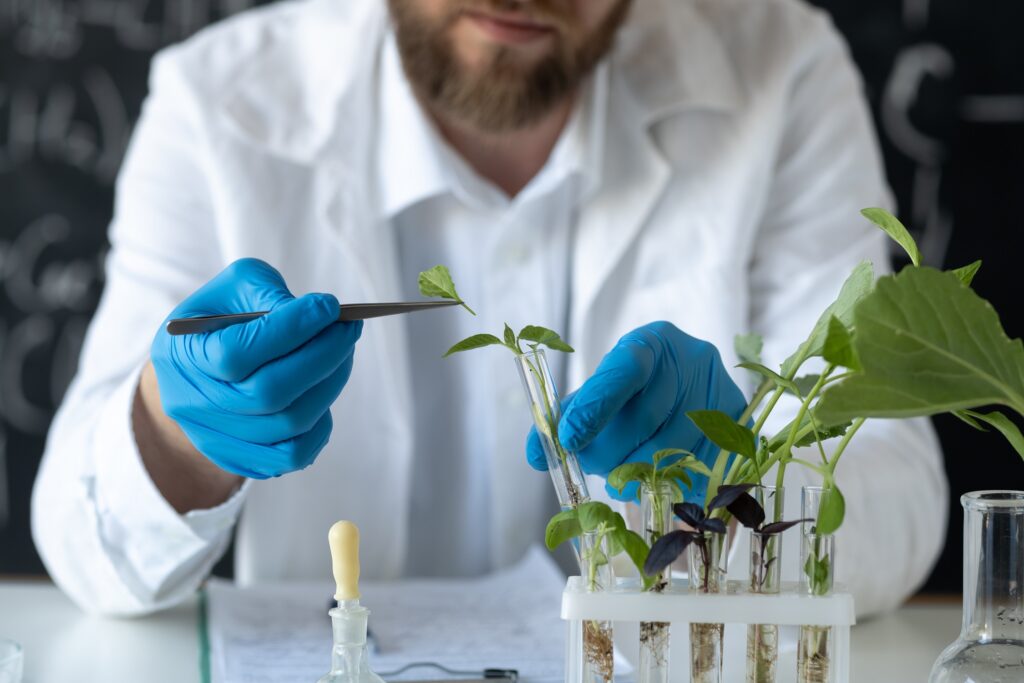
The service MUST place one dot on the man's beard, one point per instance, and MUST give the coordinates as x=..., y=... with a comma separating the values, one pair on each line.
x=504, y=94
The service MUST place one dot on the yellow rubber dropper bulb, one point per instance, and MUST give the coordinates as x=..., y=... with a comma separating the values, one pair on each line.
x=344, y=541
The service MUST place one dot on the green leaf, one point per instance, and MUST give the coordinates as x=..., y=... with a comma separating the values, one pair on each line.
x=562, y=527
x=689, y=463
x=725, y=432
x=677, y=473
x=965, y=417
x=824, y=433
x=437, y=282
x=616, y=534
x=477, y=341
x=966, y=273
x=635, y=547
x=817, y=572
x=667, y=453
x=628, y=472
x=839, y=346
x=748, y=347
x=770, y=375
x=896, y=230
x=542, y=335
x=856, y=287
x=927, y=345
x=805, y=383
x=510, y=339
x=592, y=513
x=1005, y=426
x=831, y=511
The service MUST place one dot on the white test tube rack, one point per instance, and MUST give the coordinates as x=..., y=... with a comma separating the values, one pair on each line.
x=676, y=605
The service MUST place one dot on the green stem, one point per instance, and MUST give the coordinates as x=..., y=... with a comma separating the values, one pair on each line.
x=823, y=471
x=842, y=444
x=786, y=448
x=718, y=474
x=549, y=416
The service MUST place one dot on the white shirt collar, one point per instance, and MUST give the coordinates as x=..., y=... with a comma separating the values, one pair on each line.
x=415, y=163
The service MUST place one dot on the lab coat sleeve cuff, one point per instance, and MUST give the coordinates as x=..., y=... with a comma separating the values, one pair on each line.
x=134, y=518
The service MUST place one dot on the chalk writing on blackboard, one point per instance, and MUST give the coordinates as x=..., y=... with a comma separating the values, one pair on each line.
x=83, y=125
x=54, y=28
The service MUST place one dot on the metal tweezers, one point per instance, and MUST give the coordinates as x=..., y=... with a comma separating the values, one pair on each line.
x=346, y=313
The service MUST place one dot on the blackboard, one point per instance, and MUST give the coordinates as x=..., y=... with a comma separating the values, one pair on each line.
x=945, y=80
x=73, y=76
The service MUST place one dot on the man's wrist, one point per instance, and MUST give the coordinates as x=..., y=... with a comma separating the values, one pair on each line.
x=186, y=478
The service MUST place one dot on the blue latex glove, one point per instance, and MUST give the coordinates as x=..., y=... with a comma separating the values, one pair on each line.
x=636, y=403
x=255, y=398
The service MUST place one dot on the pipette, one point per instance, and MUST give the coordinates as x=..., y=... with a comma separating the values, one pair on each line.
x=349, y=658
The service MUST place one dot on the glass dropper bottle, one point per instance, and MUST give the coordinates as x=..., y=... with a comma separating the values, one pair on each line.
x=349, y=660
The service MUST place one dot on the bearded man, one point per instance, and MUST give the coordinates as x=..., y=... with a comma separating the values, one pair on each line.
x=618, y=171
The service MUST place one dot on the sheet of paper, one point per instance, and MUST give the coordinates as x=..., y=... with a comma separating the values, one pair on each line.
x=282, y=634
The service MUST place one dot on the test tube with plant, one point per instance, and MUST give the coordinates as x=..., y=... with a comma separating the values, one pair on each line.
x=604, y=535
x=659, y=487
x=765, y=574
x=817, y=560
x=541, y=393
x=704, y=541
x=597, y=534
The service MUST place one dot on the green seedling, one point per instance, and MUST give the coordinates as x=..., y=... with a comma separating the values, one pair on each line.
x=606, y=525
x=916, y=343
x=668, y=467
x=437, y=282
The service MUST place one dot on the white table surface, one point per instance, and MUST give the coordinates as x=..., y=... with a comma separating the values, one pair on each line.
x=62, y=644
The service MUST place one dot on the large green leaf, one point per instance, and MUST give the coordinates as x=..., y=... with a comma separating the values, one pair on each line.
x=966, y=273
x=927, y=345
x=856, y=287
x=896, y=230
x=725, y=432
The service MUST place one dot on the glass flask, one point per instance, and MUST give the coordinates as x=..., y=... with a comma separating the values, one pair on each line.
x=349, y=660
x=598, y=645
x=656, y=513
x=546, y=409
x=765, y=578
x=990, y=648
x=817, y=573
x=708, y=560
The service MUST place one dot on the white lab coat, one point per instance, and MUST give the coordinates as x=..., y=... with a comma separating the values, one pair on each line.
x=738, y=154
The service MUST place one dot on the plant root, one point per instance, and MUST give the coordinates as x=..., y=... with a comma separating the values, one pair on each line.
x=706, y=653
x=654, y=638
x=762, y=652
x=598, y=650
x=813, y=658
